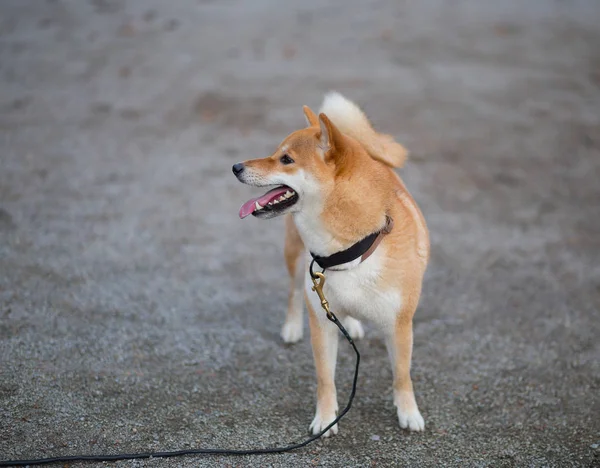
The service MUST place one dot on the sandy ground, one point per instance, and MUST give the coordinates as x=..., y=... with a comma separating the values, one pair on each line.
x=137, y=312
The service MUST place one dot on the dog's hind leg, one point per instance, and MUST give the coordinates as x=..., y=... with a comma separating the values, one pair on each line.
x=353, y=327
x=292, y=330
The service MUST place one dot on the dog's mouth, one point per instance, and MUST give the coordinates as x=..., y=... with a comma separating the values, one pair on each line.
x=272, y=203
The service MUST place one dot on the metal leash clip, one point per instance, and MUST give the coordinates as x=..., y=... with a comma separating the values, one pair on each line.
x=318, y=280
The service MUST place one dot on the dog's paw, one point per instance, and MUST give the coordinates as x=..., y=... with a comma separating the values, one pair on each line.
x=409, y=416
x=411, y=420
x=321, y=421
x=292, y=332
x=354, y=328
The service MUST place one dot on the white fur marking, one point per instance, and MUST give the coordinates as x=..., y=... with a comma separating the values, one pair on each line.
x=409, y=416
x=292, y=331
x=354, y=328
x=357, y=293
x=321, y=421
x=343, y=112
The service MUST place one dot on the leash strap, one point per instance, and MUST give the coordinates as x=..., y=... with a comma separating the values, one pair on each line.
x=318, y=281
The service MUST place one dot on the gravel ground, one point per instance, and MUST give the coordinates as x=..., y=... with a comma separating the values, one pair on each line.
x=137, y=312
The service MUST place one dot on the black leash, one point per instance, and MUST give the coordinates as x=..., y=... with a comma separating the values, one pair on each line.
x=177, y=453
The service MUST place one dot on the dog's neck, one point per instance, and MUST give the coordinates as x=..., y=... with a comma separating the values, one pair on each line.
x=355, y=208
x=355, y=254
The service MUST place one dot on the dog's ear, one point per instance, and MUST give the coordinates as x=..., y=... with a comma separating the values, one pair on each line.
x=311, y=118
x=330, y=138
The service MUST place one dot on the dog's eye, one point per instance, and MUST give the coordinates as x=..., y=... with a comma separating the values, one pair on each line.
x=285, y=159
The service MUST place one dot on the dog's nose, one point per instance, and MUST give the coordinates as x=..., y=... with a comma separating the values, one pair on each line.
x=237, y=168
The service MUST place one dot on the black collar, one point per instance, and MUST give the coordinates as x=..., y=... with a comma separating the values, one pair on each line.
x=363, y=248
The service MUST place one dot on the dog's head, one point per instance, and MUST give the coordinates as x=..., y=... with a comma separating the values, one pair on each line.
x=301, y=171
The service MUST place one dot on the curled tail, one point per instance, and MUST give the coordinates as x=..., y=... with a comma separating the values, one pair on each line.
x=352, y=121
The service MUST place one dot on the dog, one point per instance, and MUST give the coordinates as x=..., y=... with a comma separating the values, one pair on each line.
x=334, y=180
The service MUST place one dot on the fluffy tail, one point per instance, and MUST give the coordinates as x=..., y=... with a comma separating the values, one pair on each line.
x=348, y=117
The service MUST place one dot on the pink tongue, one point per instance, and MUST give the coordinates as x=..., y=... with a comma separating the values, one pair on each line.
x=250, y=206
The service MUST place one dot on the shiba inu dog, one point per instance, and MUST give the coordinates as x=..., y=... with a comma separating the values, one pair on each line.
x=345, y=205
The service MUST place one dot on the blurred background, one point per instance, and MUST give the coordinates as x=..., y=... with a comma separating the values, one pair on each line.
x=137, y=312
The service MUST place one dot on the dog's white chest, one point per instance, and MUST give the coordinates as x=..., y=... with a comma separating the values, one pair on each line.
x=358, y=292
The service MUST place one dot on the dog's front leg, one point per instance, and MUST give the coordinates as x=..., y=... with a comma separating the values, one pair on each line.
x=399, y=342
x=324, y=338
